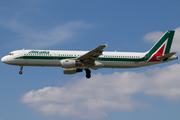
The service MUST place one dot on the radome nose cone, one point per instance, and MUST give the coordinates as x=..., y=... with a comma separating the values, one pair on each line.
x=3, y=59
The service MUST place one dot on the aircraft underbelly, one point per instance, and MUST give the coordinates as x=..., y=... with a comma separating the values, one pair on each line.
x=120, y=64
x=107, y=64
x=126, y=64
x=40, y=62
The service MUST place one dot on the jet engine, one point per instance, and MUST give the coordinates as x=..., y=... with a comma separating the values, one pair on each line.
x=69, y=66
x=70, y=63
x=71, y=70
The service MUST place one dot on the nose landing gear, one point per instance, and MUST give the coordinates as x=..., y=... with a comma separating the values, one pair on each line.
x=20, y=72
x=88, y=73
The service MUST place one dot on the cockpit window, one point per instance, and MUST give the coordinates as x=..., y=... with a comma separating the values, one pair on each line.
x=11, y=54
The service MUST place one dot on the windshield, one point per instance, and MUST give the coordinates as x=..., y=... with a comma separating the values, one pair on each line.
x=10, y=54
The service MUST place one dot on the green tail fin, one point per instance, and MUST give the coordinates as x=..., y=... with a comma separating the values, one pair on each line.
x=162, y=46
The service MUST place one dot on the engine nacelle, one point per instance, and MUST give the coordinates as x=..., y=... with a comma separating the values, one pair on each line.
x=71, y=70
x=70, y=63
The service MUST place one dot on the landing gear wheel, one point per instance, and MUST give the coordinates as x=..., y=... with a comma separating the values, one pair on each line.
x=88, y=73
x=20, y=72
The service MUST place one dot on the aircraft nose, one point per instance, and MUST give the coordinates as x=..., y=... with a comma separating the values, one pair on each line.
x=3, y=59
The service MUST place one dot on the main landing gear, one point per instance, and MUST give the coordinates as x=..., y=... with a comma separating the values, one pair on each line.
x=20, y=72
x=88, y=73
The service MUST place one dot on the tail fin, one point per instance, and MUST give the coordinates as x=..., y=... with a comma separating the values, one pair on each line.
x=162, y=47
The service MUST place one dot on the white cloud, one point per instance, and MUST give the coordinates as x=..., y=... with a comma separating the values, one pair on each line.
x=165, y=82
x=155, y=36
x=176, y=42
x=102, y=93
x=38, y=38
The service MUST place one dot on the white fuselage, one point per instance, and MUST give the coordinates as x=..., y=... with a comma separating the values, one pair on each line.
x=53, y=57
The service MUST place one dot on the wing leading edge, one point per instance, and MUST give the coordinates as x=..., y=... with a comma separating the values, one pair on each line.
x=92, y=55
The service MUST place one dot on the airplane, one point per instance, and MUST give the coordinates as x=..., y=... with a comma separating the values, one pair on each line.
x=73, y=62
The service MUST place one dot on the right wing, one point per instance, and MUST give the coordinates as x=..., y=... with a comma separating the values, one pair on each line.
x=92, y=55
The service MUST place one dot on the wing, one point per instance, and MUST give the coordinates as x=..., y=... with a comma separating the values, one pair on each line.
x=166, y=56
x=92, y=55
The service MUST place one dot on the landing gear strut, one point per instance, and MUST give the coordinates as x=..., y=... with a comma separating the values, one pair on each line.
x=20, y=72
x=88, y=73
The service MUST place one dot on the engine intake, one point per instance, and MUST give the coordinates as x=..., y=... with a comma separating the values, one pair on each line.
x=68, y=63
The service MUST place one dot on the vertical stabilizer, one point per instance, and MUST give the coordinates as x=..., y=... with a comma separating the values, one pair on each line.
x=162, y=47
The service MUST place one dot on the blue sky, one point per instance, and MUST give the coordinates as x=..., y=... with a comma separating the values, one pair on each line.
x=45, y=93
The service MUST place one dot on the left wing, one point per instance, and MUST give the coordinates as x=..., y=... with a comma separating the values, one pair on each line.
x=92, y=55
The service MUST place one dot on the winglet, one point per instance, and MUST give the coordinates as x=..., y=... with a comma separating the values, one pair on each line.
x=106, y=44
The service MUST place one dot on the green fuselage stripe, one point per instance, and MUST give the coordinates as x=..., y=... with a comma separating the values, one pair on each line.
x=67, y=57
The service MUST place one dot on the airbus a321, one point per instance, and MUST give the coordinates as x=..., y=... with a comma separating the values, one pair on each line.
x=73, y=62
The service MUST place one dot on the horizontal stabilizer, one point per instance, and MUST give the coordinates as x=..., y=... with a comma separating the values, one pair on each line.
x=166, y=56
